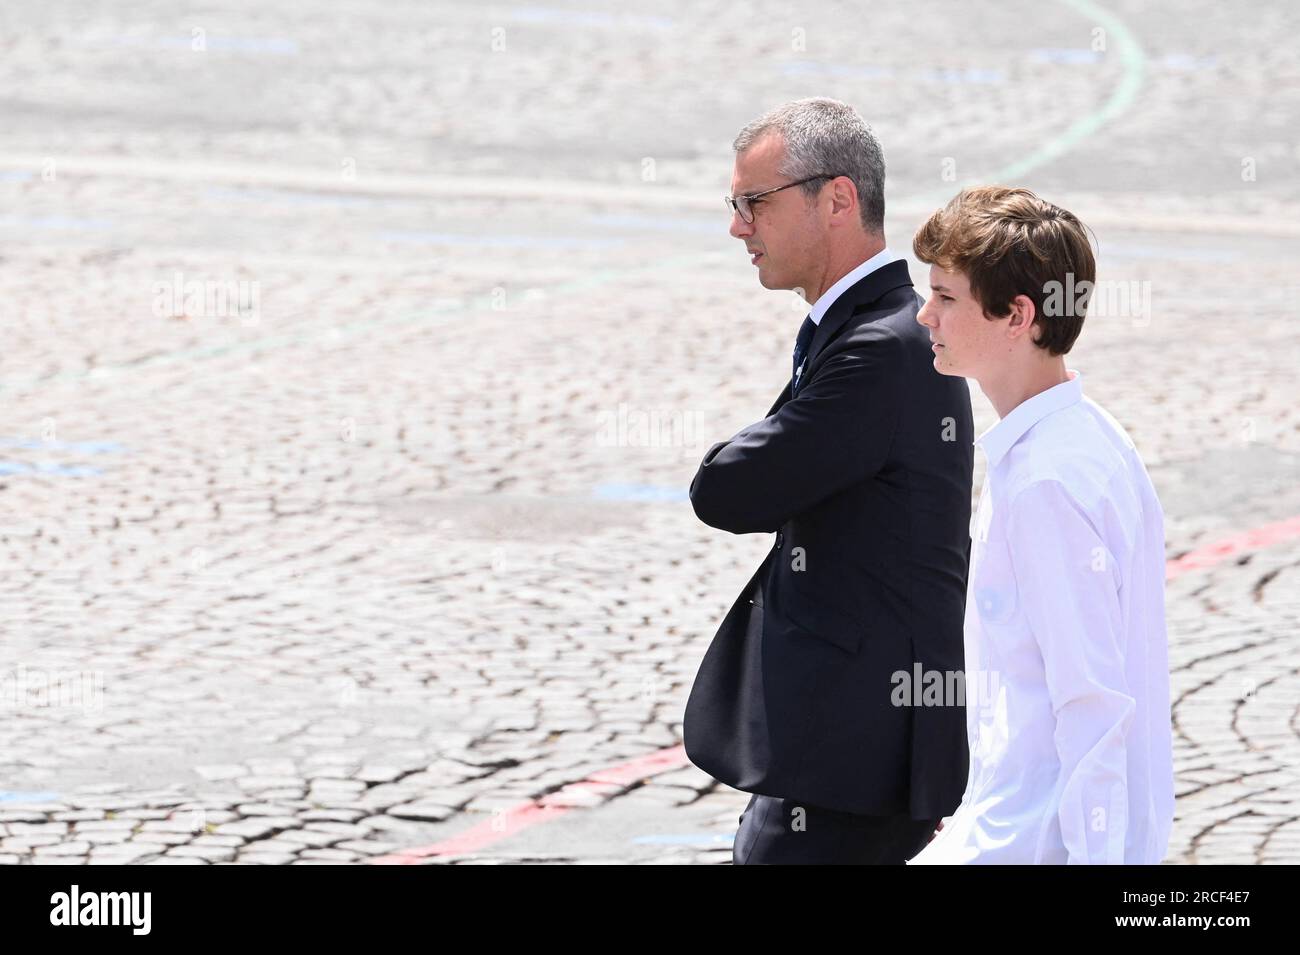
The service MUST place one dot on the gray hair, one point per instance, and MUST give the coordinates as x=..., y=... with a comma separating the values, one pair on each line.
x=825, y=136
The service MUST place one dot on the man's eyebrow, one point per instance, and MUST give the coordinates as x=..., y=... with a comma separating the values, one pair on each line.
x=940, y=288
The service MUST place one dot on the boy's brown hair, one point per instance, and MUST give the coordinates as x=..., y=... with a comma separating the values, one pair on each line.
x=1009, y=242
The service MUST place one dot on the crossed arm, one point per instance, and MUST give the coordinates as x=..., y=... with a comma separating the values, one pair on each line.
x=835, y=432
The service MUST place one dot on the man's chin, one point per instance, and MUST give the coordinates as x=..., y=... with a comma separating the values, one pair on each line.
x=945, y=368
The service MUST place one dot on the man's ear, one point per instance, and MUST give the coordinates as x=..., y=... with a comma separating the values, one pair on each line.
x=844, y=196
x=1022, y=318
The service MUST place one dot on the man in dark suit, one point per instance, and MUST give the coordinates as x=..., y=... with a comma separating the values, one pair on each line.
x=807, y=696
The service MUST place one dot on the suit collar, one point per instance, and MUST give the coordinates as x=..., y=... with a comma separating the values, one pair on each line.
x=858, y=298
x=847, y=281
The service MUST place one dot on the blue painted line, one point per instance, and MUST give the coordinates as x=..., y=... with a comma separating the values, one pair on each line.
x=1121, y=250
x=80, y=447
x=641, y=492
x=47, y=467
x=54, y=222
x=811, y=67
x=1188, y=61
x=664, y=224
x=15, y=796
x=852, y=72
x=1068, y=55
x=275, y=45
x=687, y=839
x=502, y=241
x=586, y=18
x=969, y=76
x=293, y=197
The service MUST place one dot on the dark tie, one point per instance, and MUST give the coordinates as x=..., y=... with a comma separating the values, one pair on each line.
x=801, y=351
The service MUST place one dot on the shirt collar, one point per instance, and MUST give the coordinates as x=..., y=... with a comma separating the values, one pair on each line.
x=883, y=257
x=1002, y=437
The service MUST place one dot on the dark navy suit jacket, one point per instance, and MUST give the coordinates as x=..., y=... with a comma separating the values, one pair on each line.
x=865, y=478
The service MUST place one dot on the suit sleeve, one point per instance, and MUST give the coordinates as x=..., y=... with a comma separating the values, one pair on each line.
x=836, y=432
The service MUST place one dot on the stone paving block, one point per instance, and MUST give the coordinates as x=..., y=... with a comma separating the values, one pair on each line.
x=327, y=585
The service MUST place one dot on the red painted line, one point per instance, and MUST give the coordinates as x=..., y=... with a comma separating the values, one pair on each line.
x=537, y=811
x=1257, y=538
x=534, y=812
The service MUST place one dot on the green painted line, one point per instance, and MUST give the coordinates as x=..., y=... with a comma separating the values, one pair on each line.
x=1134, y=65
x=1133, y=61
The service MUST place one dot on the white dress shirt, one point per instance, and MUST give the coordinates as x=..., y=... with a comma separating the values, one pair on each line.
x=883, y=257
x=1067, y=679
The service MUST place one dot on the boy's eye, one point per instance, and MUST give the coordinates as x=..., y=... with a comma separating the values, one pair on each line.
x=946, y=298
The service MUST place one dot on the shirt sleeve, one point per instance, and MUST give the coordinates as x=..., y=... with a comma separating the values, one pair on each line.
x=1068, y=582
x=835, y=432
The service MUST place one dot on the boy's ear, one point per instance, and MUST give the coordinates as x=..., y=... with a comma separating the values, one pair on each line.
x=1022, y=318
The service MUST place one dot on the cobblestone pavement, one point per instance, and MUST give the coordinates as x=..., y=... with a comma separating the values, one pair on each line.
x=388, y=546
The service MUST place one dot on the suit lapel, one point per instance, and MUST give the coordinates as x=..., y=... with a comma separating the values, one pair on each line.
x=857, y=298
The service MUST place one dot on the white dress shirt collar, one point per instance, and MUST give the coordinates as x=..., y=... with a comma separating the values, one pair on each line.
x=1002, y=437
x=883, y=257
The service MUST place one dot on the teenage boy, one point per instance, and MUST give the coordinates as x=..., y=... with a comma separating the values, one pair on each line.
x=1070, y=748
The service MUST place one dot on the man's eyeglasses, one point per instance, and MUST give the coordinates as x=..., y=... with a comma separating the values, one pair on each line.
x=744, y=205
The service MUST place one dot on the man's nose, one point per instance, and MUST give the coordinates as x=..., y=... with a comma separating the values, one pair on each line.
x=923, y=316
x=739, y=227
